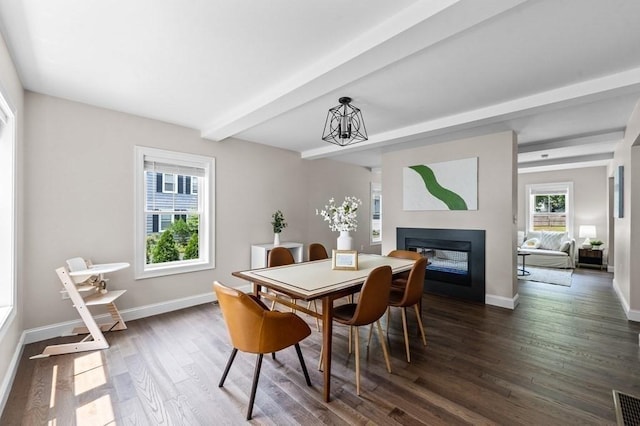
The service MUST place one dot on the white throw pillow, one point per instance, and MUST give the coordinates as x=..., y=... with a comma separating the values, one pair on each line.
x=531, y=243
x=551, y=240
x=565, y=246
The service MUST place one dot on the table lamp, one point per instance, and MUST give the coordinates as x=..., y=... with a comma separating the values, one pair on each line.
x=587, y=232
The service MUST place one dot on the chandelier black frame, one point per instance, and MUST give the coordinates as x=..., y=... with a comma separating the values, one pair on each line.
x=344, y=124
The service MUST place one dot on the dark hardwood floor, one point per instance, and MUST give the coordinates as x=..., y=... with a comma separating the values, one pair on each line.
x=554, y=360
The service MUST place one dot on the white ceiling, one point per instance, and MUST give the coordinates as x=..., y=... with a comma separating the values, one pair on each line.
x=563, y=74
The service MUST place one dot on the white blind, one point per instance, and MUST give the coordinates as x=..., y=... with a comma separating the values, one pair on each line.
x=548, y=192
x=153, y=165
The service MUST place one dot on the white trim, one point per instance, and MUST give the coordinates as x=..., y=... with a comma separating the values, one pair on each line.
x=206, y=208
x=10, y=375
x=632, y=314
x=501, y=301
x=60, y=329
x=9, y=224
x=552, y=187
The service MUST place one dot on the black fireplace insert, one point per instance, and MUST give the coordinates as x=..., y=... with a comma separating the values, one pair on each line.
x=456, y=259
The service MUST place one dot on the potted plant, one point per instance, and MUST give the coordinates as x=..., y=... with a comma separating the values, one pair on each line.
x=343, y=218
x=278, y=224
x=596, y=244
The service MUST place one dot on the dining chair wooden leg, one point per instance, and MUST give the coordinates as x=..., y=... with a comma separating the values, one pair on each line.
x=406, y=333
x=320, y=359
x=350, y=339
x=303, y=365
x=315, y=308
x=357, y=361
x=420, y=325
x=226, y=369
x=384, y=346
x=370, y=333
x=388, y=318
x=256, y=376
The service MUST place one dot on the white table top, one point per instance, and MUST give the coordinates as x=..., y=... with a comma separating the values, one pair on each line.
x=84, y=274
x=311, y=280
x=102, y=268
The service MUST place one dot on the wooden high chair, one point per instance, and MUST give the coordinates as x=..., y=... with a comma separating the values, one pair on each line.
x=86, y=286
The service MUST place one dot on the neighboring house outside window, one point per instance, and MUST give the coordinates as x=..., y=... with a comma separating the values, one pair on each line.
x=174, y=224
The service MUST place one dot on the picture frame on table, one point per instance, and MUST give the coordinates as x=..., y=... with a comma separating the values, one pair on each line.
x=344, y=260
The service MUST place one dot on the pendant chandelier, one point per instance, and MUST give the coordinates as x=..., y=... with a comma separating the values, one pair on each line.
x=344, y=124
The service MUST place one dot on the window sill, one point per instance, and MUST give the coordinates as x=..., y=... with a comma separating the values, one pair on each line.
x=173, y=269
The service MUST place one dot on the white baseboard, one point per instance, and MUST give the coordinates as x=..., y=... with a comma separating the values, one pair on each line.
x=60, y=329
x=502, y=302
x=7, y=382
x=632, y=314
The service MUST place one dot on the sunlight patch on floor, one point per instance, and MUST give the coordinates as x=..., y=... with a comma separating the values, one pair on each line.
x=88, y=373
x=97, y=412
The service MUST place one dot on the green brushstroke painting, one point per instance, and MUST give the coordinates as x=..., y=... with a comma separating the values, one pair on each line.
x=448, y=185
x=452, y=200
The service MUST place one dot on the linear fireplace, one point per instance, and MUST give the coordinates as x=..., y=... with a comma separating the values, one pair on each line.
x=456, y=259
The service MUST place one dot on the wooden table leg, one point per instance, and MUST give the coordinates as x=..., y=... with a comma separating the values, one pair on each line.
x=327, y=331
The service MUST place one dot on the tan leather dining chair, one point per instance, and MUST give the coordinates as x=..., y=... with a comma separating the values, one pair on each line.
x=280, y=256
x=410, y=295
x=317, y=252
x=255, y=329
x=371, y=306
x=400, y=280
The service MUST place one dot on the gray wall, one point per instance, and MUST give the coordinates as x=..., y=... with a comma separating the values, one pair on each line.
x=79, y=199
x=590, y=196
x=496, y=204
x=627, y=229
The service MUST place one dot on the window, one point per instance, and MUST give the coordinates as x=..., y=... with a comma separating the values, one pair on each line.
x=549, y=207
x=376, y=214
x=174, y=223
x=7, y=211
x=168, y=183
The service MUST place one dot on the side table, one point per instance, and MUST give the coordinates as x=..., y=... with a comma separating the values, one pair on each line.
x=522, y=272
x=590, y=257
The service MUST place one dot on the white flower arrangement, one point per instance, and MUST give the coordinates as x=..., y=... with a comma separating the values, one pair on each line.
x=342, y=217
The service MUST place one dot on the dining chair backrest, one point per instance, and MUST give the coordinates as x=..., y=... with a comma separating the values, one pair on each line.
x=242, y=315
x=415, y=283
x=317, y=252
x=374, y=297
x=280, y=256
x=255, y=329
x=405, y=254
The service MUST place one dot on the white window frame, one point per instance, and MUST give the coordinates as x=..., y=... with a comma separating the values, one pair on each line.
x=8, y=224
x=550, y=188
x=174, y=182
x=206, y=232
x=194, y=186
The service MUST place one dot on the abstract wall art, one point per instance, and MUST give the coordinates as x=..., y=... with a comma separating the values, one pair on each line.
x=449, y=185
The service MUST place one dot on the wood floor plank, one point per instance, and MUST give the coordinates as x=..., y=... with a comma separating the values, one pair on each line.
x=553, y=360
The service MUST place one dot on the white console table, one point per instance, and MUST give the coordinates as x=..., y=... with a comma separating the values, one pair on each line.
x=260, y=253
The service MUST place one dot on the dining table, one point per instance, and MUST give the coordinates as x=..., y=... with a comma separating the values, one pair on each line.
x=318, y=280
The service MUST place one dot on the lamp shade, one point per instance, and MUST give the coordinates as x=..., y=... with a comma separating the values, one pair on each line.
x=587, y=231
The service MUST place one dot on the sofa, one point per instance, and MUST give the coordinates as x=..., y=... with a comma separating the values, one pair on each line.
x=549, y=249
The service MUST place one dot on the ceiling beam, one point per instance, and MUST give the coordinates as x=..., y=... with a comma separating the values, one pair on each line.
x=610, y=136
x=415, y=28
x=606, y=87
